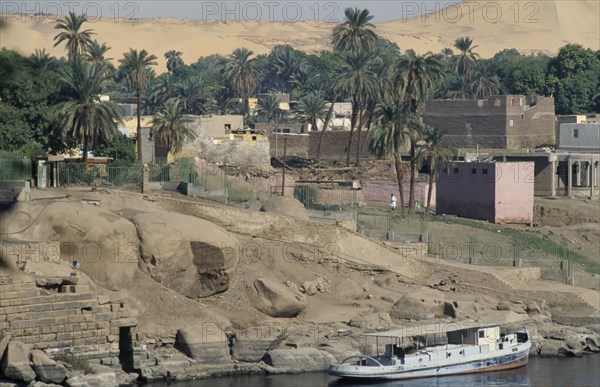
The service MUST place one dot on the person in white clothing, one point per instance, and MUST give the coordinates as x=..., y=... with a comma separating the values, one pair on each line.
x=393, y=202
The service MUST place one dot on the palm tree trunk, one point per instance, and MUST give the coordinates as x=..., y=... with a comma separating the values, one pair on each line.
x=411, y=191
x=369, y=115
x=399, y=178
x=139, y=126
x=431, y=180
x=325, y=124
x=359, y=146
x=352, y=125
x=247, y=106
x=86, y=141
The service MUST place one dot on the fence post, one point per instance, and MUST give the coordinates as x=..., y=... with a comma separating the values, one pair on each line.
x=145, y=178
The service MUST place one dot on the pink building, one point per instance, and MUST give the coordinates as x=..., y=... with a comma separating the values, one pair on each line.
x=499, y=192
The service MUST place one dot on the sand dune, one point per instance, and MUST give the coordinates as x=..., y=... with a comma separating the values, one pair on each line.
x=542, y=26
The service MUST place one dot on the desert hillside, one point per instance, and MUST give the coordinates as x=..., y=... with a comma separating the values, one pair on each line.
x=542, y=26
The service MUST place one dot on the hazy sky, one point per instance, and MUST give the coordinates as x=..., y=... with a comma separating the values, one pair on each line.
x=264, y=10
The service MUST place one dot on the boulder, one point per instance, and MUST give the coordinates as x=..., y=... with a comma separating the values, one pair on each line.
x=283, y=205
x=4, y=342
x=250, y=350
x=386, y=280
x=533, y=308
x=553, y=348
x=15, y=363
x=419, y=305
x=504, y=305
x=276, y=300
x=350, y=290
x=46, y=369
x=300, y=359
x=310, y=288
x=40, y=384
x=105, y=245
x=192, y=256
x=377, y=321
x=206, y=343
x=103, y=379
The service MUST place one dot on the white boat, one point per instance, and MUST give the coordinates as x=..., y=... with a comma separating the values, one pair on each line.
x=470, y=348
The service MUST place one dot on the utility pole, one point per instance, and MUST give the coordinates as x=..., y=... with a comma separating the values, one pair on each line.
x=283, y=165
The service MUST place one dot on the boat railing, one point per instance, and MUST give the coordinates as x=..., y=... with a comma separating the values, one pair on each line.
x=360, y=358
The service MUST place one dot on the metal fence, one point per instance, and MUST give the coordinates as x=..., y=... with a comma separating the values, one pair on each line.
x=101, y=175
x=325, y=199
x=15, y=166
x=391, y=221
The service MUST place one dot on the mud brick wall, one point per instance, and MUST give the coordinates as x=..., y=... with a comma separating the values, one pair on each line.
x=295, y=145
x=46, y=313
x=335, y=144
x=469, y=123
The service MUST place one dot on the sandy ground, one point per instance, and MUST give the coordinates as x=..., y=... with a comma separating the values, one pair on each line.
x=542, y=26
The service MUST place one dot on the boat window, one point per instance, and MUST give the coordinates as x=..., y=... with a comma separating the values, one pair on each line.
x=462, y=352
x=522, y=337
x=448, y=354
x=481, y=334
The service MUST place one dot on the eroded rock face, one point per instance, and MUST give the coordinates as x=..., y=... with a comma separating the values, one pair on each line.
x=46, y=369
x=15, y=363
x=379, y=321
x=206, y=343
x=105, y=244
x=276, y=300
x=419, y=305
x=192, y=256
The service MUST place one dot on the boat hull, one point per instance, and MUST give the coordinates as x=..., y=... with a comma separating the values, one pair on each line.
x=501, y=362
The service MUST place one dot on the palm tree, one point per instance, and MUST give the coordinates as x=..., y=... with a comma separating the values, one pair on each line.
x=170, y=126
x=288, y=63
x=437, y=154
x=457, y=88
x=136, y=65
x=416, y=76
x=447, y=53
x=84, y=114
x=193, y=95
x=464, y=63
x=389, y=137
x=358, y=80
x=78, y=40
x=40, y=59
x=174, y=60
x=311, y=109
x=484, y=82
x=160, y=89
x=242, y=74
x=268, y=107
x=415, y=131
x=96, y=53
x=355, y=33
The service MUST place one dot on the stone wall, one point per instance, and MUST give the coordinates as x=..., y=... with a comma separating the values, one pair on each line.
x=58, y=314
x=335, y=144
x=293, y=144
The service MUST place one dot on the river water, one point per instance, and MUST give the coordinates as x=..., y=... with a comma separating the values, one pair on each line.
x=561, y=372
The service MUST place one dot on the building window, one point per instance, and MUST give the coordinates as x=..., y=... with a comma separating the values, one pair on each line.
x=253, y=138
x=575, y=133
x=481, y=334
x=484, y=171
x=473, y=171
x=511, y=123
x=522, y=116
x=469, y=126
x=455, y=170
x=227, y=128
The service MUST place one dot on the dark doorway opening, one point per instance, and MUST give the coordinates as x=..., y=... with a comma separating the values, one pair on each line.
x=126, y=349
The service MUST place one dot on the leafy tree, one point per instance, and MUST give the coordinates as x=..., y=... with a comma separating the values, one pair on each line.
x=135, y=64
x=120, y=147
x=242, y=74
x=170, y=127
x=174, y=60
x=464, y=63
x=27, y=96
x=355, y=33
x=194, y=96
x=77, y=39
x=574, y=77
x=83, y=113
